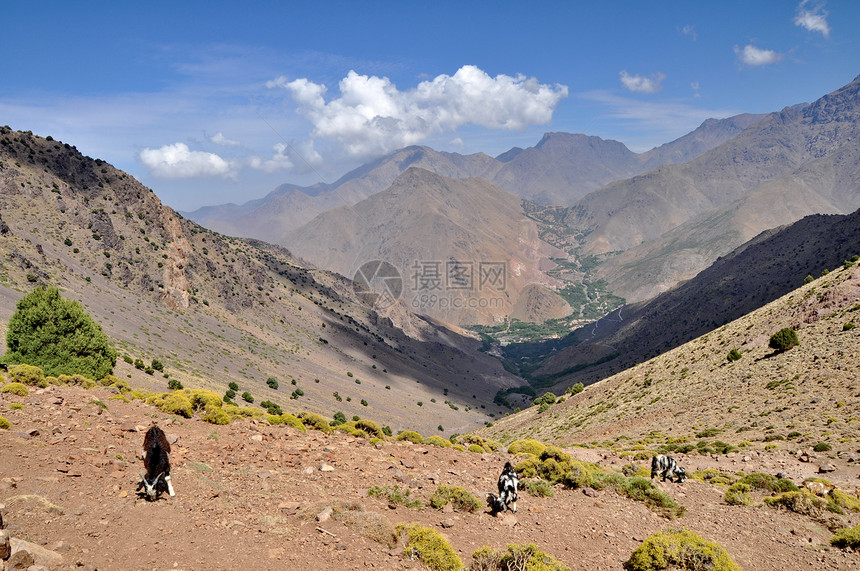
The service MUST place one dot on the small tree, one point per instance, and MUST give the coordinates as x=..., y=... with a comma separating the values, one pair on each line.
x=247, y=397
x=783, y=340
x=272, y=382
x=734, y=355
x=233, y=386
x=59, y=336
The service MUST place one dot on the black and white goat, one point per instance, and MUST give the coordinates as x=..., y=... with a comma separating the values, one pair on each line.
x=507, y=498
x=667, y=467
x=156, y=460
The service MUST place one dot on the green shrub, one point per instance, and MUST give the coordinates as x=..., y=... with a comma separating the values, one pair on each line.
x=738, y=495
x=528, y=467
x=485, y=443
x=430, y=547
x=395, y=496
x=527, y=446
x=289, y=420
x=840, y=499
x=247, y=397
x=16, y=406
x=575, y=389
x=172, y=403
x=515, y=558
x=583, y=475
x=734, y=355
x=57, y=335
x=783, y=340
x=28, y=375
x=438, y=441
x=18, y=389
x=272, y=382
x=215, y=415
x=849, y=537
x=4, y=424
x=715, y=477
x=460, y=498
x=848, y=326
x=547, y=399
x=411, y=436
x=822, y=447
x=802, y=502
x=642, y=490
x=769, y=483
x=314, y=421
x=555, y=453
x=538, y=488
x=370, y=428
x=175, y=385
x=475, y=448
x=679, y=549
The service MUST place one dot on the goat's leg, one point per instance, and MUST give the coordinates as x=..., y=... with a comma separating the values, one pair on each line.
x=169, y=486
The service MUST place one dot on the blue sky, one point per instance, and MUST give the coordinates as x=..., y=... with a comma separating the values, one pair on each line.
x=216, y=102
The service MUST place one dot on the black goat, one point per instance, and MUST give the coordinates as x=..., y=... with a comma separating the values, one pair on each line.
x=507, y=498
x=156, y=459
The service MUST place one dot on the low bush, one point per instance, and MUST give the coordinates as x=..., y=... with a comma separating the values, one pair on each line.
x=18, y=389
x=715, y=477
x=287, y=419
x=822, y=447
x=411, y=436
x=430, y=547
x=802, y=502
x=4, y=424
x=538, y=488
x=395, y=496
x=515, y=558
x=460, y=498
x=848, y=537
x=315, y=421
x=476, y=449
x=438, y=441
x=28, y=375
x=370, y=428
x=527, y=446
x=769, y=483
x=679, y=549
x=783, y=340
x=738, y=495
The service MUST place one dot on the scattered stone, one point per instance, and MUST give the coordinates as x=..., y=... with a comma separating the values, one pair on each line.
x=825, y=468
x=289, y=506
x=20, y=561
x=38, y=554
x=745, y=459
x=326, y=468
x=510, y=520
x=324, y=515
x=256, y=437
x=590, y=492
x=308, y=471
x=447, y=523
x=5, y=545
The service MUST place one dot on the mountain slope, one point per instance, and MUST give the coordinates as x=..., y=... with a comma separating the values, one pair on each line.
x=769, y=266
x=422, y=225
x=215, y=309
x=693, y=392
x=623, y=215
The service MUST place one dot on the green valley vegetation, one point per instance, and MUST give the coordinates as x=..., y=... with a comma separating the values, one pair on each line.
x=57, y=335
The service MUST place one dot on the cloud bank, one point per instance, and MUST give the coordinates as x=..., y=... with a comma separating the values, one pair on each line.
x=641, y=84
x=178, y=161
x=371, y=116
x=755, y=57
x=814, y=20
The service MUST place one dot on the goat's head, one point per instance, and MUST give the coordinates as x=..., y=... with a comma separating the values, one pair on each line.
x=681, y=474
x=151, y=488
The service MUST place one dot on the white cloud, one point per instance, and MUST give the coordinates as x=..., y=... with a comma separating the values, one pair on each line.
x=299, y=158
x=178, y=161
x=372, y=116
x=219, y=139
x=814, y=20
x=690, y=31
x=754, y=56
x=641, y=84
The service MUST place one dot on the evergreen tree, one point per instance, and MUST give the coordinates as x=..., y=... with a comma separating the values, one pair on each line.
x=59, y=336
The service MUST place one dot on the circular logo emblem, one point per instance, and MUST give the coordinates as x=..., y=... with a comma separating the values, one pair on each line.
x=377, y=284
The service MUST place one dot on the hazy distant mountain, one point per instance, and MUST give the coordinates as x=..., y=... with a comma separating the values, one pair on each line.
x=560, y=169
x=674, y=221
x=428, y=226
x=290, y=206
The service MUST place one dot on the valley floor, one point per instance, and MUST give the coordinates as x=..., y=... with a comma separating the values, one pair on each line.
x=254, y=496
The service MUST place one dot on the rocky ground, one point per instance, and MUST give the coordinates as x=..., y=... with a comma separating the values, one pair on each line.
x=256, y=496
